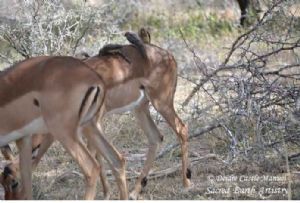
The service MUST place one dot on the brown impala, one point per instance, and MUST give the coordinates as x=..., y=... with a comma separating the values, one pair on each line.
x=59, y=96
x=134, y=75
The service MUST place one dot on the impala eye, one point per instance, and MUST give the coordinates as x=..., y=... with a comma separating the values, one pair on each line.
x=14, y=184
x=6, y=172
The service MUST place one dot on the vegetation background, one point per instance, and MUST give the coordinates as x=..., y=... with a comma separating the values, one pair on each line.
x=238, y=90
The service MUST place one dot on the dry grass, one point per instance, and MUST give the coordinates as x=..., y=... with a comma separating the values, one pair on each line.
x=58, y=176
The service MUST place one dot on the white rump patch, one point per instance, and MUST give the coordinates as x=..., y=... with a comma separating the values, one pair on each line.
x=35, y=126
x=130, y=106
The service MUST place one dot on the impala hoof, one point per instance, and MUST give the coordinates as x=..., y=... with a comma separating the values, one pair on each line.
x=188, y=184
x=107, y=196
x=188, y=189
x=133, y=195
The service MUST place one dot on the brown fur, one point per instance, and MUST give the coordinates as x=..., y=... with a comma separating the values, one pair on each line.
x=113, y=49
x=12, y=79
x=59, y=84
x=158, y=75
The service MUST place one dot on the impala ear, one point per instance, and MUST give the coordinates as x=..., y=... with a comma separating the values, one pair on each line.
x=7, y=153
x=144, y=34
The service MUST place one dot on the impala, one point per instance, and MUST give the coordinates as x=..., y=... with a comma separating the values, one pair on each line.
x=143, y=73
x=59, y=96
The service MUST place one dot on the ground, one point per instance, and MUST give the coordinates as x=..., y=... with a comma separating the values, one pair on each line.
x=58, y=176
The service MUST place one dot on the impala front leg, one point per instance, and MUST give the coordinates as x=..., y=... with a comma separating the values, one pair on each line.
x=25, y=166
x=87, y=163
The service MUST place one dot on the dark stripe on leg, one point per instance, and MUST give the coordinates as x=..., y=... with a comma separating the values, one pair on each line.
x=188, y=173
x=37, y=147
x=85, y=98
x=96, y=96
x=144, y=182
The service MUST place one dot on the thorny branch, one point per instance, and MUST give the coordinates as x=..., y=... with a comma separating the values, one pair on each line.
x=254, y=88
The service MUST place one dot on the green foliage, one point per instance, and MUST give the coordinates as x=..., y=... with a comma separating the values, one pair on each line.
x=194, y=25
x=200, y=25
x=156, y=21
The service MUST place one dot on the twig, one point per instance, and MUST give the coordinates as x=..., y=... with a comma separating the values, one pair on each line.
x=293, y=156
x=197, y=134
x=287, y=170
x=236, y=44
x=82, y=35
x=174, y=169
x=6, y=59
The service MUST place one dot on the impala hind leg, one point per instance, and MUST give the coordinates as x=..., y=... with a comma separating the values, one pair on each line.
x=93, y=151
x=111, y=155
x=83, y=158
x=103, y=179
x=166, y=109
x=147, y=124
x=69, y=139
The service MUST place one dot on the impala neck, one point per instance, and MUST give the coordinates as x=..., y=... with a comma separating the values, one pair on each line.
x=114, y=70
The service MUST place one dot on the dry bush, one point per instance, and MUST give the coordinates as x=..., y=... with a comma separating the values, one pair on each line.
x=252, y=93
x=51, y=28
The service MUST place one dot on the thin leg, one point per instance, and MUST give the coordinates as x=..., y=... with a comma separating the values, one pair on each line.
x=86, y=162
x=25, y=166
x=111, y=155
x=70, y=141
x=166, y=109
x=244, y=4
x=147, y=124
x=93, y=152
x=44, y=142
x=62, y=120
x=103, y=179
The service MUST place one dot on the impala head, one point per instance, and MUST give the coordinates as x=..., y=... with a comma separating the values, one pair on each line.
x=10, y=183
x=9, y=177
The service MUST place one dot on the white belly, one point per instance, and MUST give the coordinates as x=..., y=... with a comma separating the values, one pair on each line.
x=130, y=106
x=36, y=126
